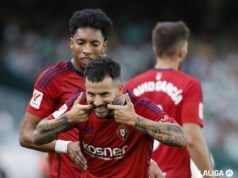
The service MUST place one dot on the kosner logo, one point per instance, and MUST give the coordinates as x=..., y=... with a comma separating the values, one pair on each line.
x=106, y=153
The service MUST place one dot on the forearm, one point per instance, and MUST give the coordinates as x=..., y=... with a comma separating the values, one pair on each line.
x=167, y=133
x=26, y=141
x=50, y=147
x=197, y=147
x=200, y=155
x=48, y=130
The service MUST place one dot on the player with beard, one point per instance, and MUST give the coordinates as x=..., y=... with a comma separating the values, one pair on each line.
x=116, y=130
x=89, y=30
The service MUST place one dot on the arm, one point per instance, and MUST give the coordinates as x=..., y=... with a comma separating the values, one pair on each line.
x=26, y=136
x=197, y=147
x=155, y=171
x=48, y=130
x=192, y=114
x=28, y=126
x=167, y=133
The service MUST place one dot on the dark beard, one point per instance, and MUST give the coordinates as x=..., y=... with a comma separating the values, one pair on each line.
x=117, y=101
x=104, y=105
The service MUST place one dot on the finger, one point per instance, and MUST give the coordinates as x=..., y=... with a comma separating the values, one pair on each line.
x=80, y=160
x=83, y=163
x=79, y=98
x=114, y=107
x=86, y=107
x=128, y=99
x=119, y=100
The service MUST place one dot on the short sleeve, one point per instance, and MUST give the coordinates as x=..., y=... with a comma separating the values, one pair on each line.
x=192, y=105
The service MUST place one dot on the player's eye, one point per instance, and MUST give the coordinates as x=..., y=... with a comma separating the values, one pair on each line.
x=95, y=44
x=91, y=95
x=80, y=43
x=104, y=94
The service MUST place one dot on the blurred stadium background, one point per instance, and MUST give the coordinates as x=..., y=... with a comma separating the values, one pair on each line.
x=34, y=35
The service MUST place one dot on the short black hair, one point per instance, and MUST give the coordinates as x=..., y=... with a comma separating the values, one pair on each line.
x=102, y=67
x=167, y=35
x=94, y=18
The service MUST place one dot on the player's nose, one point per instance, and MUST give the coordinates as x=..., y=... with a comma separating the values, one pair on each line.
x=87, y=49
x=98, y=101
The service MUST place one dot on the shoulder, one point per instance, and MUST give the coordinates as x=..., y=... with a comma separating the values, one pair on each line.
x=143, y=75
x=191, y=85
x=190, y=80
x=51, y=73
x=143, y=104
x=187, y=77
x=72, y=99
x=139, y=78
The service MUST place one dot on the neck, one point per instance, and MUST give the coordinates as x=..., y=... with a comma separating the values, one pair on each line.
x=167, y=63
x=77, y=67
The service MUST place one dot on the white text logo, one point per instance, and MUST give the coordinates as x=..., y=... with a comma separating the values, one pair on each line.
x=216, y=173
x=106, y=153
x=164, y=86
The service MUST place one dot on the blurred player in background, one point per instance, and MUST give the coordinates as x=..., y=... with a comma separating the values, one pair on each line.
x=89, y=30
x=179, y=95
x=116, y=131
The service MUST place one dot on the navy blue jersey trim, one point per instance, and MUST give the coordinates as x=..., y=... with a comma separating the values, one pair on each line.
x=144, y=102
x=70, y=101
x=70, y=65
x=51, y=74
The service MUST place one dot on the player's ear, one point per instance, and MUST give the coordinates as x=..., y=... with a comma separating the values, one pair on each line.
x=105, y=44
x=154, y=49
x=182, y=51
x=71, y=42
x=120, y=88
x=127, y=98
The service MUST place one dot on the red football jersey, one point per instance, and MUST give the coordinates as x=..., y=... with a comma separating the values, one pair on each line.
x=180, y=96
x=118, y=150
x=51, y=90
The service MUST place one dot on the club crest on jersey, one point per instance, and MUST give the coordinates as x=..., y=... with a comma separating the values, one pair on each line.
x=122, y=132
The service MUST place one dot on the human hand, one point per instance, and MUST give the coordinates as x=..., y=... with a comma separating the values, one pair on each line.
x=124, y=114
x=79, y=112
x=155, y=171
x=74, y=152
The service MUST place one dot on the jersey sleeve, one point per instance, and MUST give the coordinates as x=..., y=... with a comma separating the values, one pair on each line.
x=65, y=107
x=44, y=96
x=192, y=105
x=150, y=110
